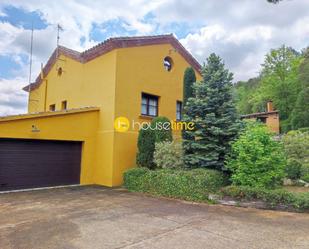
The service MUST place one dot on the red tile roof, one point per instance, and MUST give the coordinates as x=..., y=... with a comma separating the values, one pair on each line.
x=111, y=44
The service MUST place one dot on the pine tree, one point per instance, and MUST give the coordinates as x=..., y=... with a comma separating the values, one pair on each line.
x=188, y=80
x=214, y=114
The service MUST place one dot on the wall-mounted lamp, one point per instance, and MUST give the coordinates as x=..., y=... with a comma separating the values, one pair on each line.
x=34, y=128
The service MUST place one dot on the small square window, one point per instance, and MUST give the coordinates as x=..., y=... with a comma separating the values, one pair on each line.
x=149, y=105
x=52, y=107
x=64, y=105
x=178, y=110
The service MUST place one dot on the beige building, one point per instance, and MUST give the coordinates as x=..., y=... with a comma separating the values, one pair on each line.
x=270, y=117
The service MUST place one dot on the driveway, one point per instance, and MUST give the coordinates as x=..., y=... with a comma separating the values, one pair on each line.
x=97, y=217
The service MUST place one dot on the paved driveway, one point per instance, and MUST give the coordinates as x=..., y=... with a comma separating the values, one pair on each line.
x=96, y=217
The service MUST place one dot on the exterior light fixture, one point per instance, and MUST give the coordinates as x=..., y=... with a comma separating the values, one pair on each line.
x=34, y=128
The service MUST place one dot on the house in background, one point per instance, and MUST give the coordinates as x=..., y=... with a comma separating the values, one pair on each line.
x=68, y=135
x=270, y=117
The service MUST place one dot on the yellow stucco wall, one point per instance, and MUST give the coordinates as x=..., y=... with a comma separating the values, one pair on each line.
x=140, y=69
x=75, y=126
x=114, y=82
x=89, y=84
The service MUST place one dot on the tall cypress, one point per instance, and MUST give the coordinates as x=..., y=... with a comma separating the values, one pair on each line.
x=188, y=80
x=214, y=114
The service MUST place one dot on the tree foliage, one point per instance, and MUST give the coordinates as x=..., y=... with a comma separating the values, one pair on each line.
x=274, y=1
x=244, y=95
x=280, y=80
x=300, y=113
x=296, y=147
x=214, y=115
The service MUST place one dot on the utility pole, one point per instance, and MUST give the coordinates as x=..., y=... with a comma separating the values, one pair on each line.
x=30, y=64
x=59, y=28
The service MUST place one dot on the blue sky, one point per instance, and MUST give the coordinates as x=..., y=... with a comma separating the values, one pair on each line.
x=240, y=31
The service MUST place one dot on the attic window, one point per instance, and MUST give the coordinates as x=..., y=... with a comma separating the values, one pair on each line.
x=52, y=108
x=59, y=71
x=168, y=63
x=64, y=105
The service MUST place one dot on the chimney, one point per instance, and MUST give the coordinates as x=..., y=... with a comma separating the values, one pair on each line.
x=270, y=106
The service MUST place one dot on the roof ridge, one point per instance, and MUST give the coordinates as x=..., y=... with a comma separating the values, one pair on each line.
x=111, y=44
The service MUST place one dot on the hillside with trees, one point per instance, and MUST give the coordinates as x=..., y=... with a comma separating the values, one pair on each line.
x=284, y=79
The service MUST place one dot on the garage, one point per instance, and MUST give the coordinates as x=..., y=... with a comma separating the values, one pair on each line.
x=28, y=163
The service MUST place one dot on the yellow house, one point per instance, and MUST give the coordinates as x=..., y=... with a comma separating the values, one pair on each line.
x=73, y=105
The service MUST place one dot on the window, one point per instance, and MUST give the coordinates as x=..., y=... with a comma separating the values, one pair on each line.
x=178, y=110
x=261, y=119
x=64, y=105
x=60, y=71
x=149, y=105
x=168, y=63
x=52, y=107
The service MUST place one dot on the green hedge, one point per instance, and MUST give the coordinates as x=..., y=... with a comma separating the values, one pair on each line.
x=272, y=198
x=193, y=184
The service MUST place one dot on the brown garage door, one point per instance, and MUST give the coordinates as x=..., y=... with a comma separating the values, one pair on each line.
x=38, y=163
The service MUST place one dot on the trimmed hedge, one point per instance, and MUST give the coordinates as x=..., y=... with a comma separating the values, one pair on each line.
x=192, y=185
x=272, y=198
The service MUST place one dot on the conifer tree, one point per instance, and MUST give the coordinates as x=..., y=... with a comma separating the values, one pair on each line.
x=188, y=80
x=214, y=114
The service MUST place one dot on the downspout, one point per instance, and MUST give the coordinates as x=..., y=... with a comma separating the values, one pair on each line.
x=45, y=97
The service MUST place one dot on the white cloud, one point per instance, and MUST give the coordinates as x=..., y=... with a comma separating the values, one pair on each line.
x=242, y=50
x=12, y=99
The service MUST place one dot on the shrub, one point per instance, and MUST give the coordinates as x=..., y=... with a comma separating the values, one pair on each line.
x=273, y=198
x=146, y=147
x=185, y=184
x=256, y=159
x=296, y=147
x=161, y=133
x=293, y=169
x=168, y=155
x=304, y=129
x=304, y=172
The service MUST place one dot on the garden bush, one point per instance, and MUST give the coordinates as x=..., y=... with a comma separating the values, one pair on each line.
x=161, y=132
x=193, y=184
x=145, y=147
x=256, y=159
x=293, y=169
x=148, y=136
x=272, y=197
x=168, y=155
x=296, y=147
